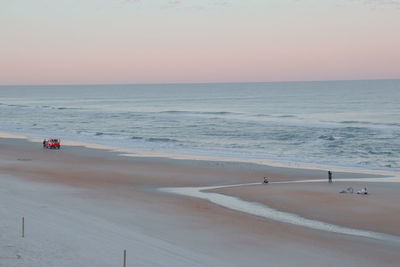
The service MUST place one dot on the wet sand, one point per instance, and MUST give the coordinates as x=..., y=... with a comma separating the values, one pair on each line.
x=378, y=211
x=123, y=191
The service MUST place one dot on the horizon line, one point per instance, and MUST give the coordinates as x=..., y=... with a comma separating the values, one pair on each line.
x=182, y=83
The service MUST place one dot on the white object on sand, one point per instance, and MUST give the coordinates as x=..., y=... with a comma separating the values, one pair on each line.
x=363, y=191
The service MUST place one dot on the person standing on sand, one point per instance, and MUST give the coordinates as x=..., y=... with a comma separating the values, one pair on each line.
x=330, y=177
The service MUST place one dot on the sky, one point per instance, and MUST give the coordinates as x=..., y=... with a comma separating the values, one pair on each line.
x=190, y=41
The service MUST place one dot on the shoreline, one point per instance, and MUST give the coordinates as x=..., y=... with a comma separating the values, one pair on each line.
x=269, y=163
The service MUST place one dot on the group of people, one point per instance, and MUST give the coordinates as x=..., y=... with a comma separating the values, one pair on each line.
x=363, y=191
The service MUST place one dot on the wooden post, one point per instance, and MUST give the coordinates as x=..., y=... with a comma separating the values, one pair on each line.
x=23, y=227
x=124, y=257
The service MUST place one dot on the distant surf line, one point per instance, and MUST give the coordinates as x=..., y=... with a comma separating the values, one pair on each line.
x=261, y=210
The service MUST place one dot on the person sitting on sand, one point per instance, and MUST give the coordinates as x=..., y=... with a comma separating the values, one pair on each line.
x=363, y=191
x=266, y=180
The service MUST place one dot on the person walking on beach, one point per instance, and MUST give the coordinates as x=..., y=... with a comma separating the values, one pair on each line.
x=330, y=177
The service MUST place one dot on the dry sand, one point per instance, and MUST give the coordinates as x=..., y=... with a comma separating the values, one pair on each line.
x=122, y=191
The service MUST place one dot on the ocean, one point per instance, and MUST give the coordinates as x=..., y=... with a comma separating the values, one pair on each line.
x=352, y=124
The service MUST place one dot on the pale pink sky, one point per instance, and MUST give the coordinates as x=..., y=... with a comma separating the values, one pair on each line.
x=119, y=41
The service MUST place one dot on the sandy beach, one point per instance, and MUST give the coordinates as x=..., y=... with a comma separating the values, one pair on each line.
x=85, y=206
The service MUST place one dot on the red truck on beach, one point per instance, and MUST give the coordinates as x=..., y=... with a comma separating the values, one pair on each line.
x=51, y=143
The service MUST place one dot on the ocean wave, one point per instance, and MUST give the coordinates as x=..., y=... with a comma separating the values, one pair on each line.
x=165, y=140
x=287, y=136
x=262, y=115
x=371, y=123
x=333, y=145
x=327, y=137
x=66, y=108
x=287, y=116
x=357, y=129
x=393, y=124
x=199, y=112
x=353, y=122
x=348, y=135
x=38, y=106
x=55, y=107
x=387, y=153
x=17, y=105
x=107, y=134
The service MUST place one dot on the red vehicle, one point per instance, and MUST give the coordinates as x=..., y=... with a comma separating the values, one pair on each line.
x=51, y=143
